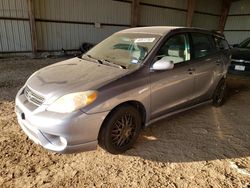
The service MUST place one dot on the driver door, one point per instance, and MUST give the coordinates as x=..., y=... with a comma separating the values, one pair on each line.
x=172, y=89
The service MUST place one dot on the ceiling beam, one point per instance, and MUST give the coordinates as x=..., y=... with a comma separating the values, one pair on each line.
x=226, y=4
x=190, y=12
x=135, y=13
x=32, y=26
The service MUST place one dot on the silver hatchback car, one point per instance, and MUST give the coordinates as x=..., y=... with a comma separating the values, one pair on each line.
x=130, y=80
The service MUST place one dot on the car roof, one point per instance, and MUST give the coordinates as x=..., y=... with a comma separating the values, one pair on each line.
x=158, y=30
x=163, y=30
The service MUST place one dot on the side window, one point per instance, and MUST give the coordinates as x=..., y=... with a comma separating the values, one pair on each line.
x=203, y=45
x=176, y=49
x=221, y=44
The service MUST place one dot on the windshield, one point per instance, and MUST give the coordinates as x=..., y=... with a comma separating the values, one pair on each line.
x=245, y=43
x=124, y=49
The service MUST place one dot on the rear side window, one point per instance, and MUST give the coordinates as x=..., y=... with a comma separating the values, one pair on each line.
x=221, y=44
x=203, y=45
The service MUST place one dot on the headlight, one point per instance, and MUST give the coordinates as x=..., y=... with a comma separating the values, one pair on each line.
x=73, y=101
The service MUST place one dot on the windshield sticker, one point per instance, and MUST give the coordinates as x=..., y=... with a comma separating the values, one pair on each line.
x=126, y=39
x=141, y=40
x=134, y=61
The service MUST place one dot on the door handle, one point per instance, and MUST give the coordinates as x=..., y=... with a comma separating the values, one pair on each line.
x=191, y=69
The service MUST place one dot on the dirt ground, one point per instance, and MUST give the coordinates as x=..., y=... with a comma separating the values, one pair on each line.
x=203, y=147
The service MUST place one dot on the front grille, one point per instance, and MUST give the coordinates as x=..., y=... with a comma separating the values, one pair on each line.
x=33, y=97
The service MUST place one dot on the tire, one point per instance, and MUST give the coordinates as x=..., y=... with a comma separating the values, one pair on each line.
x=220, y=93
x=120, y=130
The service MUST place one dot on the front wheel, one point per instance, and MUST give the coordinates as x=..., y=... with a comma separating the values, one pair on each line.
x=120, y=130
x=219, y=94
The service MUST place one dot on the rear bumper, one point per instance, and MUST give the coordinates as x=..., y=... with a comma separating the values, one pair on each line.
x=62, y=133
x=245, y=68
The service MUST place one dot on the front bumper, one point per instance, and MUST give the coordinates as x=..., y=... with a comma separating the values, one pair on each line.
x=62, y=133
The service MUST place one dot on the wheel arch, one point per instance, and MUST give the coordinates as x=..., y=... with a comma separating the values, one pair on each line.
x=136, y=104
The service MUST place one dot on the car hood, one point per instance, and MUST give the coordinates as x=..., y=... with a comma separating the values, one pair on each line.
x=241, y=54
x=72, y=75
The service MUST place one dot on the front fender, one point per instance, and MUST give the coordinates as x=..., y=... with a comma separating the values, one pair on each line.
x=133, y=87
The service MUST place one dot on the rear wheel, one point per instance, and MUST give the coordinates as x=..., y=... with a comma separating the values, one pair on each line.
x=219, y=94
x=120, y=130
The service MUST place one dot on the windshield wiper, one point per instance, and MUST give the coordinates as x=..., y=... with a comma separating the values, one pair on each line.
x=96, y=60
x=84, y=57
x=107, y=62
x=92, y=58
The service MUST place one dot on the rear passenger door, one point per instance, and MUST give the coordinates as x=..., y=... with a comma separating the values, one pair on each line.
x=207, y=64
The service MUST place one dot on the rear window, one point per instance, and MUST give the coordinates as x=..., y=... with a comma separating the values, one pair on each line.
x=203, y=44
x=221, y=44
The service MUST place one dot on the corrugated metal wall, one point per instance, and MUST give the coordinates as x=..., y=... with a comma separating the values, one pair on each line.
x=161, y=16
x=238, y=23
x=102, y=11
x=181, y=4
x=207, y=14
x=14, y=33
x=68, y=23
x=55, y=36
x=160, y=12
x=206, y=21
x=173, y=12
x=60, y=23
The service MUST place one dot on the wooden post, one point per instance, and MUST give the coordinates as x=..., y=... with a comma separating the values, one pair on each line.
x=226, y=4
x=32, y=26
x=190, y=12
x=135, y=13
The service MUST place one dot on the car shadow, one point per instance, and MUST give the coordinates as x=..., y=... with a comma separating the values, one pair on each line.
x=202, y=134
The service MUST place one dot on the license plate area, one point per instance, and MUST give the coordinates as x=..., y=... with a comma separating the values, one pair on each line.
x=239, y=67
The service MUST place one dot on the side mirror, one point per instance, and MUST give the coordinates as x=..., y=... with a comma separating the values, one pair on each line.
x=235, y=45
x=163, y=64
